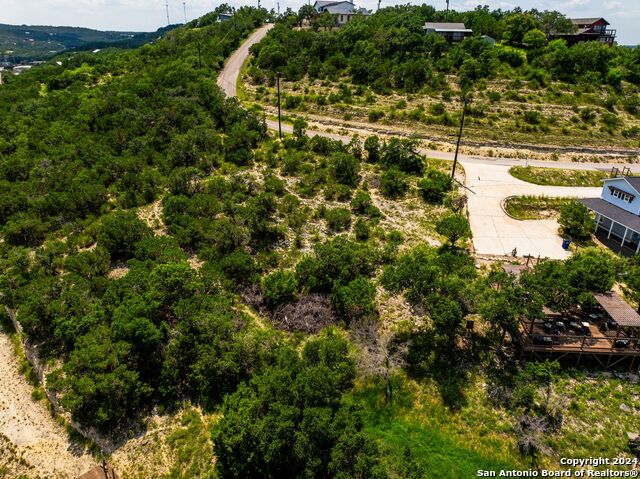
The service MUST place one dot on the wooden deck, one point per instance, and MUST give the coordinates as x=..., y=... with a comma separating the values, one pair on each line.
x=603, y=346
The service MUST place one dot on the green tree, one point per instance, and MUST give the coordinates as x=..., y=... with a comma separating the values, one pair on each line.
x=534, y=39
x=119, y=233
x=344, y=168
x=632, y=279
x=99, y=387
x=454, y=227
x=517, y=25
x=289, y=421
x=576, y=221
x=435, y=186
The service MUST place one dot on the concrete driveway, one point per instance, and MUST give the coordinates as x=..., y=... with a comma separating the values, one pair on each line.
x=496, y=233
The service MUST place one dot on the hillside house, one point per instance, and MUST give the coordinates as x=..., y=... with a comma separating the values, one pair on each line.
x=618, y=211
x=343, y=11
x=588, y=29
x=451, y=32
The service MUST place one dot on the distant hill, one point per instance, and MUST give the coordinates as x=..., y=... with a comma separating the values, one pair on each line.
x=26, y=42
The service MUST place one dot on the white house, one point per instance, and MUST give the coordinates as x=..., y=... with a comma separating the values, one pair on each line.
x=344, y=11
x=618, y=210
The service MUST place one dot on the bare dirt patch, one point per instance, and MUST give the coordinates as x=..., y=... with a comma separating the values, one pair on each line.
x=32, y=443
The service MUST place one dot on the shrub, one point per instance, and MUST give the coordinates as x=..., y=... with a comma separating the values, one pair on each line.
x=362, y=230
x=576, y=221
x=338, y=261
x=375, y=115
x=372, y=145
x=338, y=219
x=361, y=204
x=239, y=267
x=280, y=287
x=588, y=115
x=24, y=230
x=611, y=121
x=532, y=117
x=356, y=299
x=435, y=186
x=393, y=183
x=344, y=168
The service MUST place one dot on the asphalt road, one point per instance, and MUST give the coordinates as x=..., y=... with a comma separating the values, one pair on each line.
x=228, y=78
x=488, y=179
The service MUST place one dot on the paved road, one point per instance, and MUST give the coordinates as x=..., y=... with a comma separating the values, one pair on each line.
x=488, y=178
x=496, y=233
x=228, y=78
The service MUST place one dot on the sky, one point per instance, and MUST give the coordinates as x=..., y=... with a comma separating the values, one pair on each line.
x=148, y=15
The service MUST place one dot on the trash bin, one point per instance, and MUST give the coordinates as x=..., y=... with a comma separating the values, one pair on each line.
x=565, y=243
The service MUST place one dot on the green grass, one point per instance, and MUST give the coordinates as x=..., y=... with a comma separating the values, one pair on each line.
x=534, y=207
x=558, y=176
x=440, y=442
x=594, y=424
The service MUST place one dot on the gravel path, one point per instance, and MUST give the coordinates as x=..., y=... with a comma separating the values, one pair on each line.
x=33, y=443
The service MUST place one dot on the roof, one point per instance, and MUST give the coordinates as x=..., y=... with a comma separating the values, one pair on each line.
x=446, y=27
x=613, y=212
x=100, y=472
x=634, y=181
x=514, y=269
x=343, y=6
x=618, y=309
x=587, y=21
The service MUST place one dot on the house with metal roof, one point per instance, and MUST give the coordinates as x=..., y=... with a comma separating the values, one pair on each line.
x=588, y=29
x=451, y=32
x=344, y=11
x=618, y=210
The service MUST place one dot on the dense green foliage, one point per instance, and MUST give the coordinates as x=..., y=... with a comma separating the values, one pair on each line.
x=159, y=248
x=289, y=421
x=576, y=221
x=390, y=50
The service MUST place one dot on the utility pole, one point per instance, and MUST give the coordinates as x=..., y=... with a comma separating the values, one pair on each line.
x=184, y=6
x=278, y=8
x=166, y=4
x=378, y=5
x=447, y=15
x=279, y=121
x=455, y=158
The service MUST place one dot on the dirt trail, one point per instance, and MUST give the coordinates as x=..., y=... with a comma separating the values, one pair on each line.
x=31, y=441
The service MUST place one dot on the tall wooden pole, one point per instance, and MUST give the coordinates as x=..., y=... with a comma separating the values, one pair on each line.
x=279, y=120
x=455, y=158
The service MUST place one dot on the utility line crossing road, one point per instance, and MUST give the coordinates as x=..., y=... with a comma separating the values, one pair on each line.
x=494, y=232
